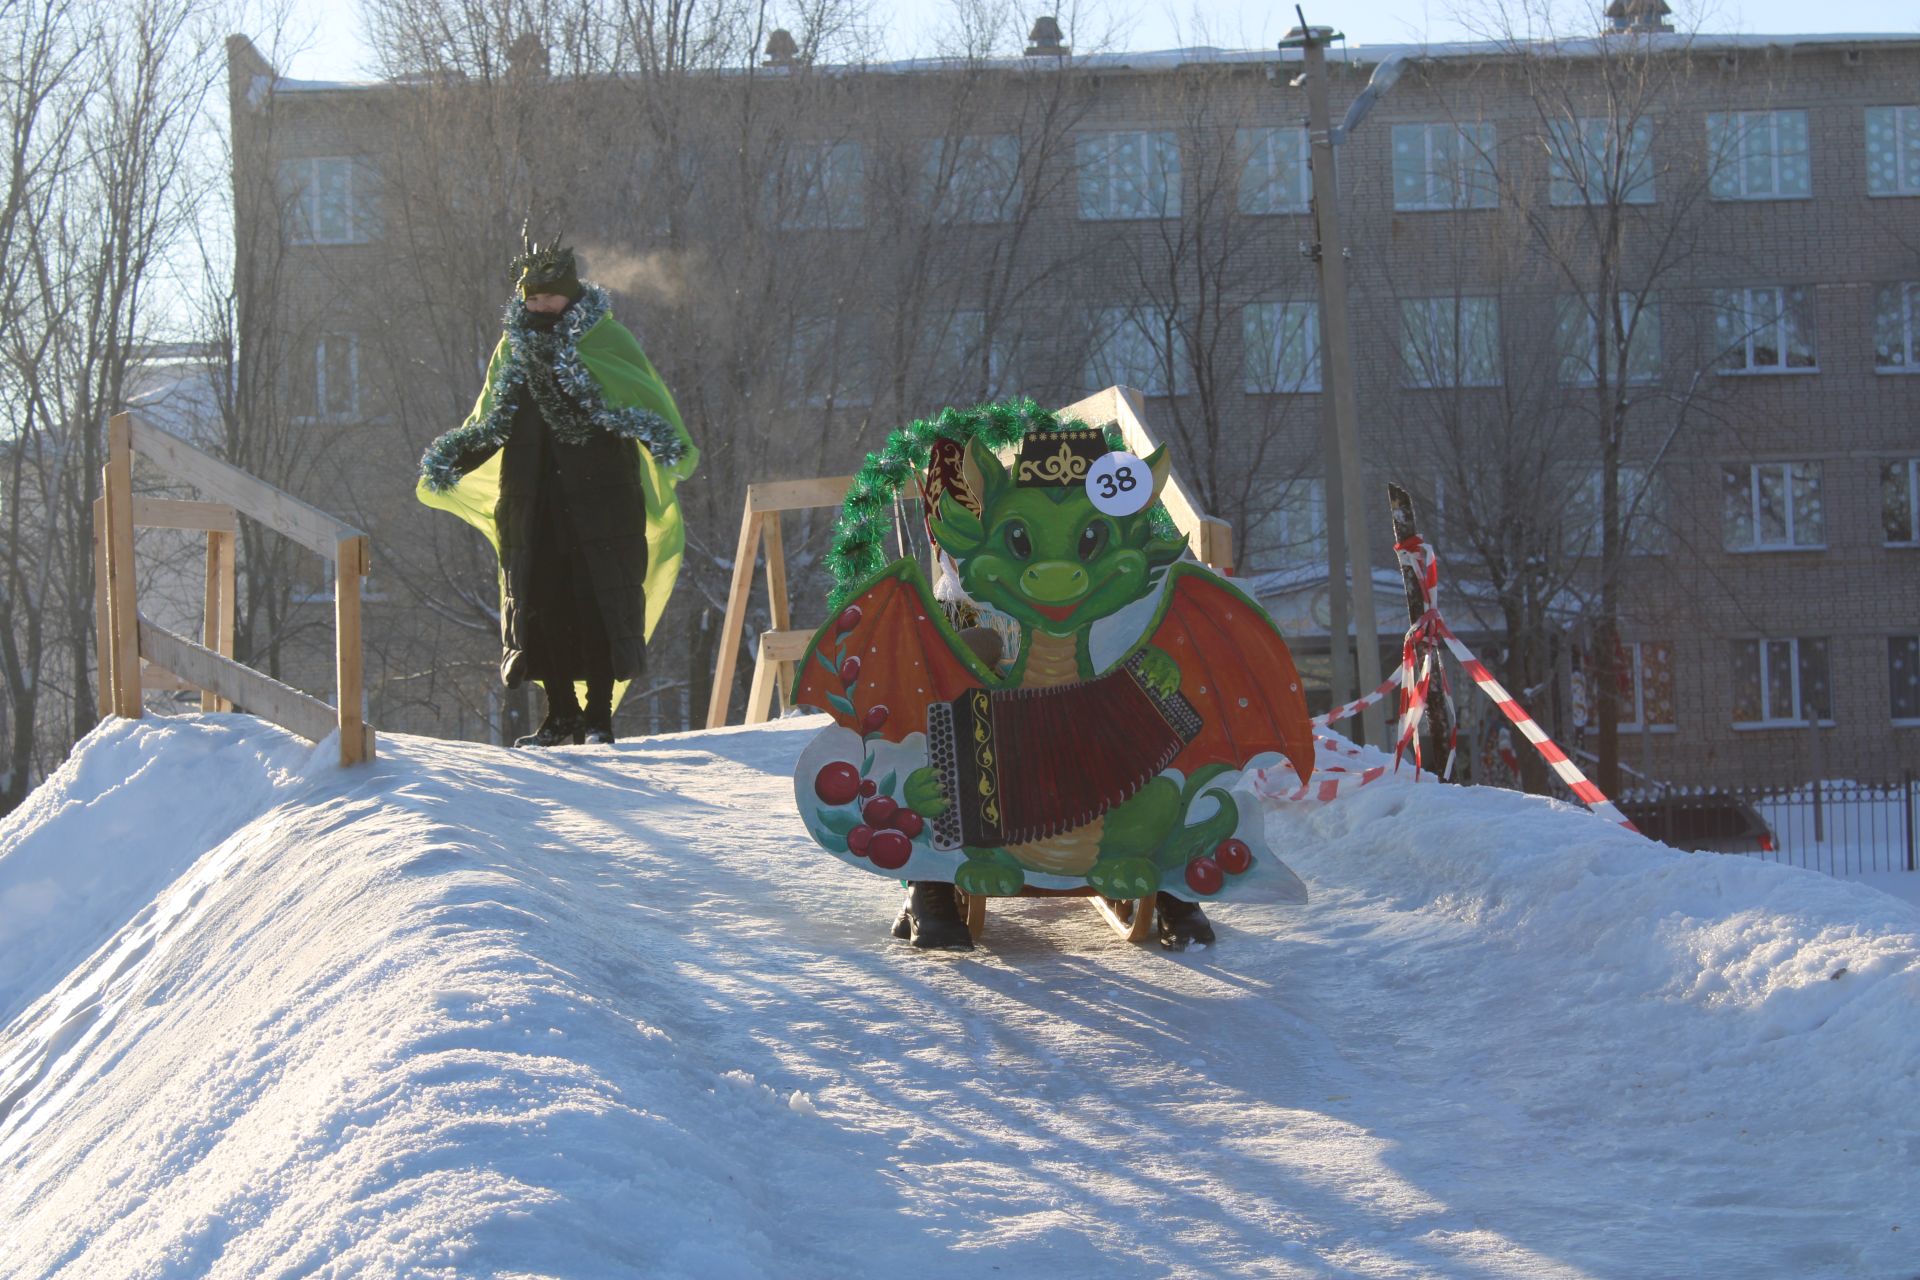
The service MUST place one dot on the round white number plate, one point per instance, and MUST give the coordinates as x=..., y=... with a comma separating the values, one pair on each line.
x=1119, y=484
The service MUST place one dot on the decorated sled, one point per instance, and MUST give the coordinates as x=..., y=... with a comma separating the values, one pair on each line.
x=1073, y=710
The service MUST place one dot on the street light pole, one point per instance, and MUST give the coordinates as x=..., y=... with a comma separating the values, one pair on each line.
x=1336, y=345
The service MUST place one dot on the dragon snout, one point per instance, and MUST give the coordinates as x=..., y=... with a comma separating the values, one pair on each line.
x=1054, y=582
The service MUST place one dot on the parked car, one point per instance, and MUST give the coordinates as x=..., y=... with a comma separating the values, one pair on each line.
x=1703, y=821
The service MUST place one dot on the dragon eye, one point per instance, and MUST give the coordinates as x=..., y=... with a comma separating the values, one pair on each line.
x=1018, y=541
x=1093, y=539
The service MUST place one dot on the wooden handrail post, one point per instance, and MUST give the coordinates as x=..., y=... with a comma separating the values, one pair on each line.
x=217, y=627
x=102, y=626
x=730, y=627
x=123, y=657
x=350, y=565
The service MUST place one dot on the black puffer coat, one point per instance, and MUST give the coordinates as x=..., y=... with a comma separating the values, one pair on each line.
x=573, y=555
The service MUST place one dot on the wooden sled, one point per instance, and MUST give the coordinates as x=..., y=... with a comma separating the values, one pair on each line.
x=1131, y=918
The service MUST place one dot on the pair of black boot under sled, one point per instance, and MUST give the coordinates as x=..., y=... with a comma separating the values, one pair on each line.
x=930, y=919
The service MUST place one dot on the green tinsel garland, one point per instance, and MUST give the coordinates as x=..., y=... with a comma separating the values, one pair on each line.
x=859, y=535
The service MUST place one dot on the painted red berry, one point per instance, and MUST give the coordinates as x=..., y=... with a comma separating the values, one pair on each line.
x=868, y=786
x=849, y=618
x=857, y=840
x=837, y=782
x=908, y=823
x=1233, y=856
x=879, y=812
x=849, y=671
x=889, y=850
x=876, y=716
x=1204, y=876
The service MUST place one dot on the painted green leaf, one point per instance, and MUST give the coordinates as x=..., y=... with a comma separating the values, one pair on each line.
x=840, y=704
x=886, y=785
x=837, y=822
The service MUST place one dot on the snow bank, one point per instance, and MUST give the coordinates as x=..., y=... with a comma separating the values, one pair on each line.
x=607, y=1013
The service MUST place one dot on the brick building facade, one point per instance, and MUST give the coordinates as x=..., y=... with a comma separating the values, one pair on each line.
x=815, y=255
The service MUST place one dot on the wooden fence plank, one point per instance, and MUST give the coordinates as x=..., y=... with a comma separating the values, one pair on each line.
x=735, y=621
x=798, y=495
x=123, y=657
x=102, y=636
x=172, y=513
x=349, y=558
x=309, y=526
x=250, y=690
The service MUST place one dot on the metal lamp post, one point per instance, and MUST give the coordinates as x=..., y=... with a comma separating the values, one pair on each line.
x=1346, y=510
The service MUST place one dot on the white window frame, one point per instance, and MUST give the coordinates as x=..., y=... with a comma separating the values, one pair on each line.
x=1110, y=188
x=1275, y=171
x=1303, y=498
x=1736, y=139
x=1632, y=649
x=1899, y=127
x=1466, y=179
x=1589, y=142
x=1768, y=720
x=1896, y=315
x=1648, y=534
x=1271, y=334
x=1576, y=327
x=322, y=410
x=973, y=179
x=1914, y=640
x=1781, y=310
x=1786, y=473
x=1907, y=469
x=303, y=176
x=1144, y=326
x=825, y=186
x=1451, y=312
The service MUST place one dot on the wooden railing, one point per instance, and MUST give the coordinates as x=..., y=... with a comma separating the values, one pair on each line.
x=783, y=645
x=127, y=639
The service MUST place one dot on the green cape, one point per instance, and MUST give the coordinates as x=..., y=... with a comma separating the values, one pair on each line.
x=626, y=379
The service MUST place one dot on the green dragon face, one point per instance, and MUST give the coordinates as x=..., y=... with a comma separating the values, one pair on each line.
x=1045, y=555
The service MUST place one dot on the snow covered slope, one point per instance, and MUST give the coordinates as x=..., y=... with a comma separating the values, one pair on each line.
x=607, y=1013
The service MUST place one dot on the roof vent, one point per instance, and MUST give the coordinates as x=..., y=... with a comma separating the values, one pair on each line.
x=1046, y=40
x=1639, y=16
x=781, y=50
x=1853, y=58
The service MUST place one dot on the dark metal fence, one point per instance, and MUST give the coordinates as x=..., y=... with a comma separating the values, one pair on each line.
x=1839, y=826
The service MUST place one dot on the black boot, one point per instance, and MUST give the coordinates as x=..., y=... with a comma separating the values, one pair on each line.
x=931, y=918
x=563, y=725
x=1181, y=924
x=599, y=713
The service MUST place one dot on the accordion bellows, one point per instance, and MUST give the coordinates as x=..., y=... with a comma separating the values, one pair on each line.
x=997, y=754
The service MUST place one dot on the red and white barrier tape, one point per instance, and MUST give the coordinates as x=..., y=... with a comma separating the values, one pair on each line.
x=1338, y=714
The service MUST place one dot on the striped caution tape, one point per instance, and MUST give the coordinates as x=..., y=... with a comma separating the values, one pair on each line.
x=1338, y=714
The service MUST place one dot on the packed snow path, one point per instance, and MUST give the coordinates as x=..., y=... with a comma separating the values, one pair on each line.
x=605, y=1012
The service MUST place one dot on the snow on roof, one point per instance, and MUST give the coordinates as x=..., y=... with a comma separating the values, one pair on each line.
x=1349, y=52
x=603, y=1012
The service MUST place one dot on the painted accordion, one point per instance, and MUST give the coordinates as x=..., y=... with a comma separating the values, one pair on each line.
x=996, y=752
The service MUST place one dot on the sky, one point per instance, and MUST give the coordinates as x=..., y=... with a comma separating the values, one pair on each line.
x=334, y=49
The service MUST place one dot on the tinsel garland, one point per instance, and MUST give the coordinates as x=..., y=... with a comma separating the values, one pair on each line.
x=547, y=364
x=866, y=517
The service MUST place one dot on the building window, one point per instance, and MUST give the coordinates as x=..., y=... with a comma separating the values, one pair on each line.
x=1903, y=677
x=1274, y=176
x=1647, y=676
x=827, y=363
x=1896, y=328
x=972, y=179
x=1587, y=164
x=1900, y=502
x=1764, y=330
x=1893, y=151
x=1282, y=342
x=1444, y=166
x=1129, y=175
x=820, y=186
x=331, y=200
x=1138, y=347
x=1759, y=155
x=326, y=379
x=1781, y=682
x=1581, y=355
x=1773, y=506
x=1294, y=530
x=1643, y=512
x=1450, y=342
x=964, y=364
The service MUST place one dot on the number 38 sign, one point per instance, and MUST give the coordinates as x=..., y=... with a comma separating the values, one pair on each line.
x=1119, y=484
